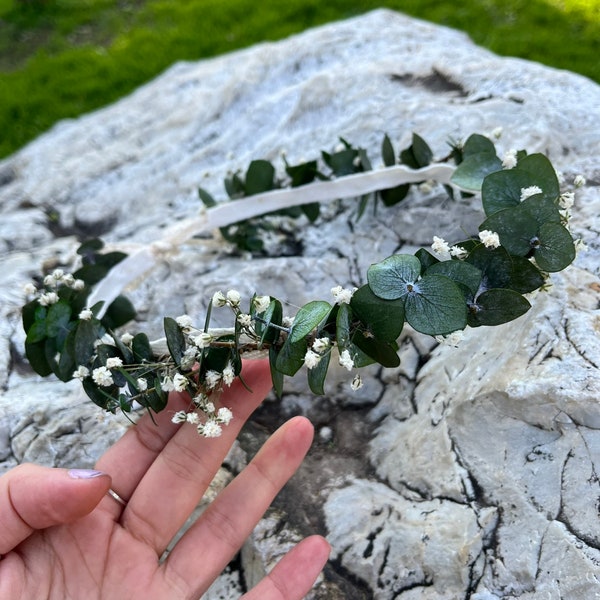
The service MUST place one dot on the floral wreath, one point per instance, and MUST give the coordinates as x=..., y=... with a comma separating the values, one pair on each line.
x=71, y=329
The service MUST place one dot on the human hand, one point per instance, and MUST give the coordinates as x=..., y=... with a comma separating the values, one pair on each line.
x=63, y=537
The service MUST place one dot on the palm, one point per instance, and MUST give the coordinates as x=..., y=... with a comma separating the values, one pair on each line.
x=114, y=552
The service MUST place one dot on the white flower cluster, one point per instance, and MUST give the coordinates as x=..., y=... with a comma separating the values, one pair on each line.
x=211, y=426
x=527, y=192
x=52, y=282
x=342, y=295
x=444, y=251
x=490, y=239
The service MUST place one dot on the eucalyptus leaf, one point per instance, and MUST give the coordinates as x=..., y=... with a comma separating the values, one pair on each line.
x=316, y=376
x=471, y=172
x=383, y=318
x=390, y=278
x=260, y=177
x=381, y=352
x=291, y=356
x=37, y=332
x=141, y=348
x=556, y=250
x=36, y=355
x=276, y=375
x=272, y=316
x=86, y=336
x=460, y=272
x=387, y=152
x=497, y=306
x=342, y=330
x=308, y=318
x=175, y=339
x=57, y=318
x=477, y=144
x=119, y=312
x=436, y=306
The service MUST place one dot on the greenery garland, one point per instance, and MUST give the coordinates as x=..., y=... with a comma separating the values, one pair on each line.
x=482, y=280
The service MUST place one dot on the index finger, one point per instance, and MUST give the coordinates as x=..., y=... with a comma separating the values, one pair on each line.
x=132, y=456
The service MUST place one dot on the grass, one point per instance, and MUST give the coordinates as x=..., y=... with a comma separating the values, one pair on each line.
x=61, y=58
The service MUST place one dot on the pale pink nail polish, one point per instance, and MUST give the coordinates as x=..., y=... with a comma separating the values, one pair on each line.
x=85, y=473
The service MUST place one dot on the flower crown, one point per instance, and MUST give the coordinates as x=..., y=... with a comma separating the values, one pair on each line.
x=482, y=280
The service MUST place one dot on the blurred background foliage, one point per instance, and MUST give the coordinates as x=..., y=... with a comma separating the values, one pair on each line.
x=62, y=58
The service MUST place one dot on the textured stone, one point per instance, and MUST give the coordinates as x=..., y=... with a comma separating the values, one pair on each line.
x=467, y=472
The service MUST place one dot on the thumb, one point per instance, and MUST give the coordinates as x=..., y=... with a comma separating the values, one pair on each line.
x=34, y=497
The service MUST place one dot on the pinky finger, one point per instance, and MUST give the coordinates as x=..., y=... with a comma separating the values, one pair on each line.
x=294, y=575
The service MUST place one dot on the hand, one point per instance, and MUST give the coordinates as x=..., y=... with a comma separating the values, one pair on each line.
x=62, y=536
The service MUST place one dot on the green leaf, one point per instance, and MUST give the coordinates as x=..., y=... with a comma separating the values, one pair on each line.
x=86, y=335
x=541, y=173
x=393, y=196
x=273, y=315
x=391, y=278
x=381, y=352
x=260, y=177
x=119, y=312
x=316, y=376
x=276, y=376
x=471, y=172
x=206, y=198
x=100, y=396
x=303, y=173
x=141, y=348
x=436, y=306
x=175, y=339
x=383, y=318
x=67, y=363
x=418, y=154
x=342, y=326
x=460, y=272
x=426, y=259
x=57, y=318
x=37, y=332
x=556, y=250
x=497, y=306
x=30, y=313
x=291, y=356
x=157, y=399
x=36, y=355
x=476, y=144
x=311, y=211
x=387, y=152
x=502, y=189
x=307, y=319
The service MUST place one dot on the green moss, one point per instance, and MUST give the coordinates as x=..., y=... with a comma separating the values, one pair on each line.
x=61, y=58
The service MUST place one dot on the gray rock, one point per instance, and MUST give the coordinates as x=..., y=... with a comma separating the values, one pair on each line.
x=467, y=472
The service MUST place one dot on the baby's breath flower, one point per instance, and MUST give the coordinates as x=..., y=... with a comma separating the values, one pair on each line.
x=509, y=160
x=580, y=246
x=167, y=384
x=224, y=415
x=49, y=281
x=184, y=321
x=452, y=339
x=102, y=376
x=356, y=383
x=497, y=132
x=321, y=345
x=342, y=295
x=244, y=319
x=58, y=274
x=179, y=382
x=86, y=314
x=527, y=192
x=78, y=285
x=234, y=297
x=311, y=359
x=458, y=252
x=219, y=299
x=228, y=374
x=210, y=429
x=490, y=239
x=192, y=418
x=126, y=338
x=203, y=340
x=261, y=303
x=426, y=186
x=188, y=358
x=48, y=298
x=212, y=379
x=346, y=360
x=209, y=407
x=68, y=279
x=287, y=321
x=440, y=246
x=179, y=417
x=29, y=289
x=81, y=373
x=113, y=362
x=142, y=384
x=566, y=200
x=579, y=181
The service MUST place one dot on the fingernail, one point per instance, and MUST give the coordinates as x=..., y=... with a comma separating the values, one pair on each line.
x=85, y=473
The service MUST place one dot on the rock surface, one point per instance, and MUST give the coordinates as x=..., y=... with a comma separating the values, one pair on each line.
x=468, y=472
